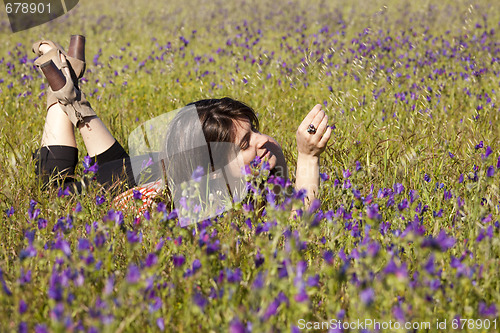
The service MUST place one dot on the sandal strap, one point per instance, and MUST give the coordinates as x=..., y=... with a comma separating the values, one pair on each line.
x=36, y=46
x=77, y=65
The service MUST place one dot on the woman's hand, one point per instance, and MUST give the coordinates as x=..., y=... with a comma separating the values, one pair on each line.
x=310, y=144
x=313, y=144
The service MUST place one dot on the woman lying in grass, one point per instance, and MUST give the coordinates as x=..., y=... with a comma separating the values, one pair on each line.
x=219, y=120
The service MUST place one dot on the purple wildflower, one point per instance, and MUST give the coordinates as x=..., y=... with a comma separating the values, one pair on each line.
x=151, y=260
x=32, y=212
x=342, y=255
x=259, y=259
x=258, y=283
x=23, y=327
x=178, y=260
x=315, y=205
x=248, y=208
x=63, y=193
x=367, y=296
x=282, y=270
x=57, y=312
x=485, y=311
x=99, y=239
x=146, y=164
x=373, y=248
x=328, y=256
x=40, y=328
x=413, y=196
x=255, y=162
x=400, y=272
x=28, y=252
x=155, y=305
x=159, y=245
x=133, y=274
x=63, y=245
x=198, y=173
x=233, y=276
x=384, y=228
x=427, y=178
x=372, y=212
x=42, y=224
x=200, y=300
x=116, y=216
x=490, y=172
x=301, y=296
x=398, y=313
x=137, y=195
x=489, y=231
x=194, y=268
x=486, y=219
x=109, y=285
x=213, y=247
x=441, y=242
x=434, y=284
x=430, y=265
x=487, y=153
x=160, y=323
x=99, y=200
x=403, y=205
x=481, y=236
x=87, y=167
x=23, y=307
x=134, y=237
x=25, y=277
x=358, y=166
x=271, y=309
x=10, y=211
x=236, y=326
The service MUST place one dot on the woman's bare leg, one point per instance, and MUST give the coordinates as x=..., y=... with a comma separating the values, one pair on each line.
x=96, y=136
x=58, y=128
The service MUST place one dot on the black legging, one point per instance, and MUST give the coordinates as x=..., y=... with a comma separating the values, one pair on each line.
x=114, y=165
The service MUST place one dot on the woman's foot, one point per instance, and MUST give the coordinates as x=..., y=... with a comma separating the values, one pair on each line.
x=46, y=48
x=69, y=96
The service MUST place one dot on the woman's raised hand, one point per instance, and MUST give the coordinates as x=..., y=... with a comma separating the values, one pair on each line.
x=313, y=133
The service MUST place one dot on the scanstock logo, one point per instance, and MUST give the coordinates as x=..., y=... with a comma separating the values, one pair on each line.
x=26, y=14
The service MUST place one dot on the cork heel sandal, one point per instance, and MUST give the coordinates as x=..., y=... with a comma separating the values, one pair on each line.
x=62, y=88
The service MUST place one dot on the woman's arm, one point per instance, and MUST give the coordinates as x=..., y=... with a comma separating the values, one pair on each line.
x=310, y=146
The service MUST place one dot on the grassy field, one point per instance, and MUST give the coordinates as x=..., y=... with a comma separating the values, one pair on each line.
x=408, y=227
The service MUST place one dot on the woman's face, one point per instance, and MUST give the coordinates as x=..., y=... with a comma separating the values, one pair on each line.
x=252, y=143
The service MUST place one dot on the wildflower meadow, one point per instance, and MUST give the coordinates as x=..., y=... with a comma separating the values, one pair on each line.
x=404, y=236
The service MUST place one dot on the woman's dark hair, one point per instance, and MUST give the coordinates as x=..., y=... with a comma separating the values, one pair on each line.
x=194, y=135
x=217, y=117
